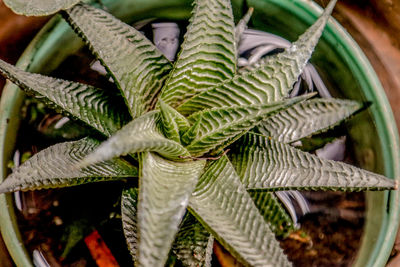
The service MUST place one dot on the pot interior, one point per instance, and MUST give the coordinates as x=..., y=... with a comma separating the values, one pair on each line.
x=339, y=59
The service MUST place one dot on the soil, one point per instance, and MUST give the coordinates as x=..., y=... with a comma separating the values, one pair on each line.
x=330, y=237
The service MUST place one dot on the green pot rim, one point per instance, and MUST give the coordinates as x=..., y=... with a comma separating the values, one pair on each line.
x=56, y=32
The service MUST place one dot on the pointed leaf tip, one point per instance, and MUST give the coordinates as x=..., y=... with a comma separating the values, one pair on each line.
x=207, y=56
x=242, y=26
x=267, y=164
x=309, y=39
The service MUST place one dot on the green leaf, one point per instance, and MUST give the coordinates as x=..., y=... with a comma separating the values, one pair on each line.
x=96, y=107
x=242, y=26
x=303, y=119
x=138, y=68
x=55, y=167
x=222, y=204
x=129, y=202
x=39, y=7
x=74, y=232
x=220, y=127
x=315, y=142
x=140, y=135
x=165, y=188
x=192, y=133
x=173, y=123
x=263, y=163
x=193, y=245
x=269, y=82
x=271, y=209
x=208, y=54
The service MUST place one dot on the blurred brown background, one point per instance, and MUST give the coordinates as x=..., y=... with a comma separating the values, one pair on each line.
x=374, y=24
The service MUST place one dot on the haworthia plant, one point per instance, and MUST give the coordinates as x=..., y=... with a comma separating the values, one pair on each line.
x=206, y=142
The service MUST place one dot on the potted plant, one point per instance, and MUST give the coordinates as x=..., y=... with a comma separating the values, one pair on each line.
x=185, y=144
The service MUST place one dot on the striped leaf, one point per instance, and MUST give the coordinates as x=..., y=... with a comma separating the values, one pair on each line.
x=39, y=7
x=136, y=65
x=55, y=167
x=129, y=202
x=193, y=245
x=306, y=118
x=269, y=82
x=263, y=163
x=208, y=54
x=271, y=209
x=173, y=123
x=97, y=108
x=140, y=135
x=193, y=132
x=165, y=188
x=220, y=127
x=222, y=204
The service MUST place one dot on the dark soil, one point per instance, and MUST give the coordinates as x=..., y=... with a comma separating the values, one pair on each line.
x=330, y=236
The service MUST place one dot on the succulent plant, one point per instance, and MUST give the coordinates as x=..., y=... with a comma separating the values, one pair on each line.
x=208, y=144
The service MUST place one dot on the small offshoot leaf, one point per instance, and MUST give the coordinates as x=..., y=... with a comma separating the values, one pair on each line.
x=140, y=135
x=165, y=188
x=95, y=107
x=137, y=66
x=222, y=204
x=173, y=123
x=269, y=82
x=208, y=54
x=56, y=167
x=306, y=118
x=273, y=212
x=265, y=164
x=39, y=7
x=193, y=244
